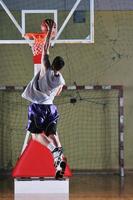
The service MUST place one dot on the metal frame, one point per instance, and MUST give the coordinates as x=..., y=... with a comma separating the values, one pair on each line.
x=11, y=16
x=119, y=88
x=88, y=39
x=24, y=12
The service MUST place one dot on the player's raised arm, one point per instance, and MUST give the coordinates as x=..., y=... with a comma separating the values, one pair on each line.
x=45, y=63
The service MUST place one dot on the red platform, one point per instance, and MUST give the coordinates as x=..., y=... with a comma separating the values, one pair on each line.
x=36, y=161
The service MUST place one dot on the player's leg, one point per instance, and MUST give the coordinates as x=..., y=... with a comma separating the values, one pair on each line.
x=37, y=68
x=57, y=152
x=50, y=142
x=59, y=162
x=54, y=138
x=43, y=139
x=43, y=129
x=35, y=125
x=59, y=158
x=51, y=132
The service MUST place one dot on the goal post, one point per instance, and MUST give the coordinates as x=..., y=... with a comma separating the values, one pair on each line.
x=91, y=127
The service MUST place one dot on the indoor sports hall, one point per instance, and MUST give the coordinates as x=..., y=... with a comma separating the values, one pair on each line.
x=66, y=100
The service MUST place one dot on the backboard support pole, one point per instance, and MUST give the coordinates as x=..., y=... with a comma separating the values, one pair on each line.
x=11, y=16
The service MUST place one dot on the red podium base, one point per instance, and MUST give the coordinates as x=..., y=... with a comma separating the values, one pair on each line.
x=36, y=161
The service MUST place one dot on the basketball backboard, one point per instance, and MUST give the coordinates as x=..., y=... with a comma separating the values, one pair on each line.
x=74, y=19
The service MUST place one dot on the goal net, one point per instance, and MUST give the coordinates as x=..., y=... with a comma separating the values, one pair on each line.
x=89, y=127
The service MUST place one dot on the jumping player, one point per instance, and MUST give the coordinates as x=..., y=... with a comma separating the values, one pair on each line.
x=42, y=113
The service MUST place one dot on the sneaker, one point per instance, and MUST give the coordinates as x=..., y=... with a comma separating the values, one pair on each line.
x=60, y=168
x=57, y=154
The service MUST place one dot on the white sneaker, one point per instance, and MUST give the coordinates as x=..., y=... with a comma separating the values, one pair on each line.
x=60, y=168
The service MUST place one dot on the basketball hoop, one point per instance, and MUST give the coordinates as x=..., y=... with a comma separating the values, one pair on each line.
x=39, y=41
x=37, y=45
x=47, y=26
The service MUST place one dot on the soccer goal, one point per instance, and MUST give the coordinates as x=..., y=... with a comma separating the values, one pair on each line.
x=91, y=127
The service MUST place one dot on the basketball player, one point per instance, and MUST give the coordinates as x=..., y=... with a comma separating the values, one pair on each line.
x=43, y=114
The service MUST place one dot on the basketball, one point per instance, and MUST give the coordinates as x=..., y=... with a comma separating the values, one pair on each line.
x=46, y=25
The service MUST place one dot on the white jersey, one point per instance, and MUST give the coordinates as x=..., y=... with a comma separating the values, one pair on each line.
x=43, y=90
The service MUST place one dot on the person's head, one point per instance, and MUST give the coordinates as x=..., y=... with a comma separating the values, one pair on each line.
x=58, y=63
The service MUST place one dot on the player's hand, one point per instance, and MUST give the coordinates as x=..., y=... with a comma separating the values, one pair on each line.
x=50, y=24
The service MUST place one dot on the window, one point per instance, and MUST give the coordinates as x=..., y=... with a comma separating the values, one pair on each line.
x=79, y=17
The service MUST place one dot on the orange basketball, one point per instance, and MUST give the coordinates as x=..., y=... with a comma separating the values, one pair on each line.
x=46, y=25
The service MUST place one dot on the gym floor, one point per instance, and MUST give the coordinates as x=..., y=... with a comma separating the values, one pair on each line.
x=87, y=187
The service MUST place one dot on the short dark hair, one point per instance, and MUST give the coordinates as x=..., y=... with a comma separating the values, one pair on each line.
x=58, y=63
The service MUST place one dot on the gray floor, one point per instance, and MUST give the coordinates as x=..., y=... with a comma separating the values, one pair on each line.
x=99, y=187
